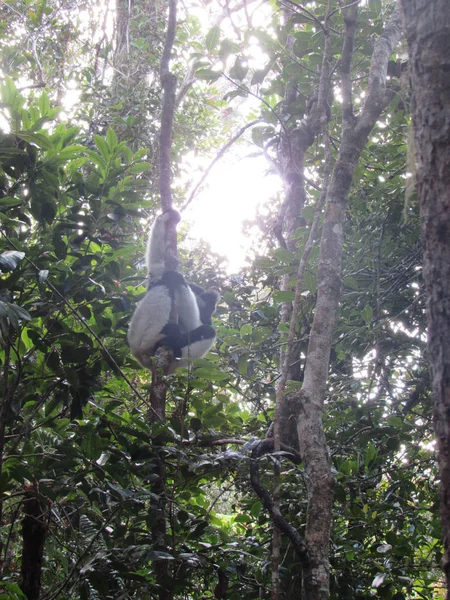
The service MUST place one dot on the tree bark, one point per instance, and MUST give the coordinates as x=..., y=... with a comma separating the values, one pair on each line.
x=427, y=26
x=158, y=389
x=309, y=402
x=34, y=533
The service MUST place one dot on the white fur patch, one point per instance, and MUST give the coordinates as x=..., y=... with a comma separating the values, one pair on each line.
x=151, y=315
x=193, y=351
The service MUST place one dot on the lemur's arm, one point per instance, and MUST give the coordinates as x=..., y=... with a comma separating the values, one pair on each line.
x=156, y=246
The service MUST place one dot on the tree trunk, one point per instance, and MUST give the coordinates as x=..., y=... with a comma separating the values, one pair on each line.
x=34, y=533
x=310, y=400
x=428, y=33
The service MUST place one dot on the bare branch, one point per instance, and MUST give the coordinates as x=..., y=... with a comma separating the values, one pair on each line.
x=264, y=447
x=242, y=87
x=376, y=99
x=350, y=16
x=312, y=16
x=168, y=83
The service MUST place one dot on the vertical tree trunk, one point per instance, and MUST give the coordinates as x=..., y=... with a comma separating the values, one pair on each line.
x=310, y=400
x=428, y=33
x=164, y=357
x=34, y=533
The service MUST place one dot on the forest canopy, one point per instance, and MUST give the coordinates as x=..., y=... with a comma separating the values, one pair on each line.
x=297, y=458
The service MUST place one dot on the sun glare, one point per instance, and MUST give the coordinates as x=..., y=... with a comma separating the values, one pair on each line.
x=234, y=189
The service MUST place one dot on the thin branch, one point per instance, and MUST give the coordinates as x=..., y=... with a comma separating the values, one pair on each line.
x=311, y=15
x=242, y=87
x=343, y=7
x=288, y=356
x=224, y=442
x=33, y=86
x=13, y=9
x=219, y=495
x=265, y=447
x=217, y=158
x=350, y=17
x=36, y=59
x=236, y=30
x=376, y=89
x=169, y=84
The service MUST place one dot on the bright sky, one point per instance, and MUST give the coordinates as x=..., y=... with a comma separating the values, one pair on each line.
x=235, y=187
x=238, y=183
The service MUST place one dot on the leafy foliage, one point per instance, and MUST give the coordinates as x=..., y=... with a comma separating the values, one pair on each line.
x=74, y=193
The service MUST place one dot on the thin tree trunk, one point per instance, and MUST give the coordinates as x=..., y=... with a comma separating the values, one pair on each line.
x=309, y=402
x=427, y=25
x=34, y=533
x=158, y=390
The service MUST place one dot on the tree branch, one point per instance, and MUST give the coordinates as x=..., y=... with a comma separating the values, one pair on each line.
x=376, y=98
x=350, y=16
x=264, y=447
x=168, y=83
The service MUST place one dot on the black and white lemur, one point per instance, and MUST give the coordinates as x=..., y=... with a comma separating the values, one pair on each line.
x=192, y=335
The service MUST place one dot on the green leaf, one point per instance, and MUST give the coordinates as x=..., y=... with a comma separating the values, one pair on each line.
x=39, y=139
x=235, y=93
x=370, y=454
x=44, y=103
x=139, y=154
x=97, y=160
x=71, y=152
x=261, y=135
x=260, y=334
x=256, y=509
x=284, y=255
x=20, y=312
x=212, y=38
x=262, y=262
x=12, y=317
x=13, y=590
x=239, y=69
x=8, y=152
x=375, y=6
x=208, y=74
x=102, y=147
x=258, y=77
x=140, y=167
x=395, y=421
x=243, y=518
x=246, y=330
x=111, y=138
x=367, y=314
x=284, y=296
x=227, y=47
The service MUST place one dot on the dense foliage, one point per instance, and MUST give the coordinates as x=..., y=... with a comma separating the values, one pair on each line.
x=77, y=187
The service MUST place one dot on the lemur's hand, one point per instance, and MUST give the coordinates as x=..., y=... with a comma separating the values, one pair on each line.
x=170, y=216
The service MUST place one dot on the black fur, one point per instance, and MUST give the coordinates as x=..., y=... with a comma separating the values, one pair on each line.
x=206, y=301
x=175, y=340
